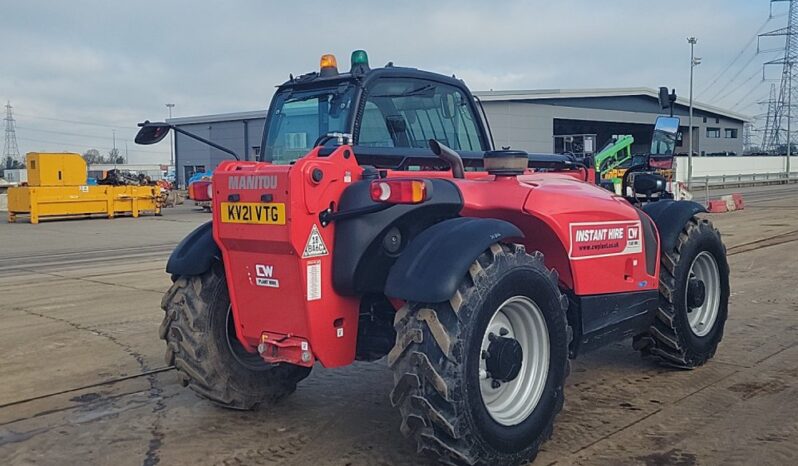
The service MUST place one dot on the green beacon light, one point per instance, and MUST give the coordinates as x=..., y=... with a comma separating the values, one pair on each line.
x=360, y=60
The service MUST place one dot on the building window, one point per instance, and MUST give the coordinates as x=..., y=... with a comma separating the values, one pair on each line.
x=730, y=133
x=705, y=119
x=717, y=121
x=713, y=133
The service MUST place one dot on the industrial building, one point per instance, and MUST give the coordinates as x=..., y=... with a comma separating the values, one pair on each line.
x=580, y=121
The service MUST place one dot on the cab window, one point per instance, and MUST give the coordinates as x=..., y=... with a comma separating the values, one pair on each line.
x=410, y=112
x=373, y=130
x=299, y=118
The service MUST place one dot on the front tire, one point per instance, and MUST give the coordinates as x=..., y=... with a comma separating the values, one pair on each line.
x=450, y=402
x=694, y=299
x=201, y=343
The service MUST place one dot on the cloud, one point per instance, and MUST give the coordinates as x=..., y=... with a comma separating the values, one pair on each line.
x=117, y=63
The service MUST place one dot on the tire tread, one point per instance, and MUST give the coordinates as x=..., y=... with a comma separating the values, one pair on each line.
x=423, y=379
x=186, y=330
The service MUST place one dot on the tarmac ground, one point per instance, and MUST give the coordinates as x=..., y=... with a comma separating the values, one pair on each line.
x=83, y=379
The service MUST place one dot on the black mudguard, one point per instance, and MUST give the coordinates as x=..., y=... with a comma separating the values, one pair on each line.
x=360, y=260
x=670, y=217
x=195, y=254
x=434, y=263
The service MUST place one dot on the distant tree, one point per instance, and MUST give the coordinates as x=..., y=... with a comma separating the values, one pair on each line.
x=93, y=156
x=114, y=157
x=11, y=164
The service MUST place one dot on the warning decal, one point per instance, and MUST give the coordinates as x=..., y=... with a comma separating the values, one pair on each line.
x=315, y=246
x=602, y=239
x=314, y=280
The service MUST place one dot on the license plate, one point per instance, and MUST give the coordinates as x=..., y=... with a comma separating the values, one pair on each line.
x=253, y=212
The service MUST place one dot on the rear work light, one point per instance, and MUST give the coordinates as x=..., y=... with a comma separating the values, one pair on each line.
x=399, y=191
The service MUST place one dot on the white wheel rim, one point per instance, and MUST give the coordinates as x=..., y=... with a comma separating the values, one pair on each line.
x=512, y=402
x=702, y=318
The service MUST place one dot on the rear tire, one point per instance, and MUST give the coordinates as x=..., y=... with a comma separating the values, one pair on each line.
x=439, y=362
x=209, y=359
x=685, y=334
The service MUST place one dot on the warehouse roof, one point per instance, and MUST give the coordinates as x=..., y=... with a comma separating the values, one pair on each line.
x=546, y=94
x=237, y=116
x=499, y=96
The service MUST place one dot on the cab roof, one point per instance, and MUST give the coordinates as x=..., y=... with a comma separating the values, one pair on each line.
x=316, y=79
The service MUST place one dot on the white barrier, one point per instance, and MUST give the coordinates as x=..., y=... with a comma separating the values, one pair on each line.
x=718, y=166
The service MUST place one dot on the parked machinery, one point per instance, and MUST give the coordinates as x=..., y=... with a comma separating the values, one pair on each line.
x=57, y=187
x=477, y=273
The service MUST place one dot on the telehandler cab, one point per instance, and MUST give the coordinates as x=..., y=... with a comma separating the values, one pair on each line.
x=380, y=223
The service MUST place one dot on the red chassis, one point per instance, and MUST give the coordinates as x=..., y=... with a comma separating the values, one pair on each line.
x=283, y=299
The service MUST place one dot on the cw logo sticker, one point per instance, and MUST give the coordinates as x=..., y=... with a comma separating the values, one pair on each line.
x=263, y=276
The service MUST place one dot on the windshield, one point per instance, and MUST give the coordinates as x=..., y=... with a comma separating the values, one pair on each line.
x=299, y=118
x=407, y=113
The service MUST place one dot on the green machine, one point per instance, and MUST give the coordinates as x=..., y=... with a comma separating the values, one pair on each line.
x=611, y=161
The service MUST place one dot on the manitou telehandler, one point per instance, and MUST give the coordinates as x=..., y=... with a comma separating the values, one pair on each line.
x=381, y=224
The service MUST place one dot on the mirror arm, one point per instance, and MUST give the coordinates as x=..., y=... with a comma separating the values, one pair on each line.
x=203, y=140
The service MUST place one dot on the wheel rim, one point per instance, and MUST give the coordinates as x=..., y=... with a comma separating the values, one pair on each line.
x=511, y=402
x=251, y=361
x=702, y=318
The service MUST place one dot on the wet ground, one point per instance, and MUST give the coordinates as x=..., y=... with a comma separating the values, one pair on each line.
x=82, y=377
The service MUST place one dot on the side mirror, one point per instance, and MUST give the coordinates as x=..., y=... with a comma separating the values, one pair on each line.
x=648, y=183
x=151, y=133
x=666, y=131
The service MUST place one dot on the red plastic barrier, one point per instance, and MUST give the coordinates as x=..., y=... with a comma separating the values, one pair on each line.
x=738, y=201
x=717, y=206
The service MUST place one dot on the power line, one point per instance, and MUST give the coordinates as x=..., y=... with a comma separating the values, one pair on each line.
x=756, y=73
x=742, y=99
x=737, y=57
x=65, y=133
x=86, y=146
x=757, y=101
x=720, y=92
x=79, y=122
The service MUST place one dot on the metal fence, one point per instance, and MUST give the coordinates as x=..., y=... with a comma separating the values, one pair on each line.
x=746, y=179
x=702, y=186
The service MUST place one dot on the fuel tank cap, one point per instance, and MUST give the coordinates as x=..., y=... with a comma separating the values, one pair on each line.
x=506, y=162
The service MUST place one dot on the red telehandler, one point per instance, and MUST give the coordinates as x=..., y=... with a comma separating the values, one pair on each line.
x=380, y=224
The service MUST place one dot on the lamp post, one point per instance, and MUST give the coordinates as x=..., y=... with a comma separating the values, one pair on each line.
x=693, y=62
x=171, y=140
x=789, y=115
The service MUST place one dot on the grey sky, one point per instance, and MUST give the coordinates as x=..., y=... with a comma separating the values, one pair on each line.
x=109, y=64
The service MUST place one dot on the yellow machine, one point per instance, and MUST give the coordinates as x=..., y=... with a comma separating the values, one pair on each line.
x=57, y=187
